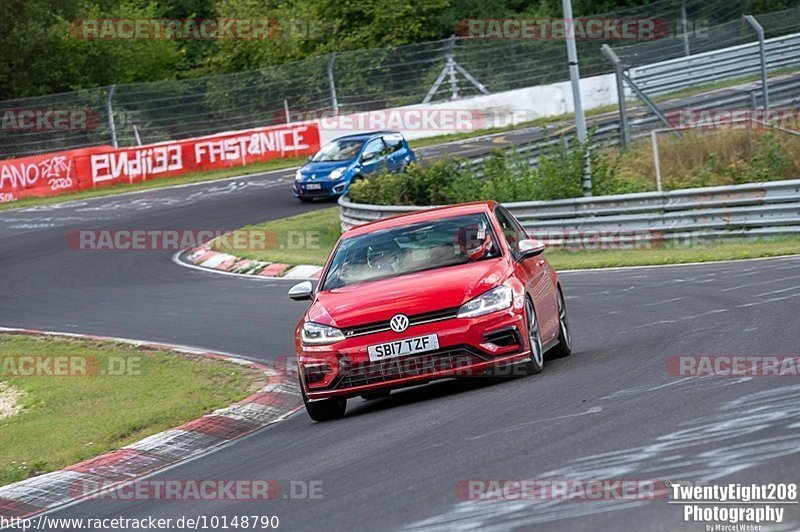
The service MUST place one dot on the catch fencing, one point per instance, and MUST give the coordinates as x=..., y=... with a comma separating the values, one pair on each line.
x=128, y=115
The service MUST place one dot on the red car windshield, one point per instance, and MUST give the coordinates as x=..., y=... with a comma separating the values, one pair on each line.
x=413, y=248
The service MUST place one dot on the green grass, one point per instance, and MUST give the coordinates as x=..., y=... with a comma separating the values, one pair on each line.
x=301, y=239
x=325, y=223
x=193, y=177
x=731, y=249
x=67, y=419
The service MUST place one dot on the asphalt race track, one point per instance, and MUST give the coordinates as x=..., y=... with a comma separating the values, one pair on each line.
x=610, y=411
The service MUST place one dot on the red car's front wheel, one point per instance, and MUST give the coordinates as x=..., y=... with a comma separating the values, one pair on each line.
x=564, y=347
x=536, y=363
x=325, y=409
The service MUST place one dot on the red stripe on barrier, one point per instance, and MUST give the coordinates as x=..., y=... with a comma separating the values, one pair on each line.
x=10, y=508
x=122, y=464
x=275, y=400
x=274, y=270
x=72, y=170
x=222, y=427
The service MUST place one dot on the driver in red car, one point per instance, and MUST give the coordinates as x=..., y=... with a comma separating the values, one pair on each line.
x=474, y=241
x=384, y=257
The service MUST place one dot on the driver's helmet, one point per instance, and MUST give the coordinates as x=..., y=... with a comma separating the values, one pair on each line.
x=383, y=256
x=475, y=240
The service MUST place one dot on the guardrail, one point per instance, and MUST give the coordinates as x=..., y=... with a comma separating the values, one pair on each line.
x=753, y=209
x=736, y=61
x=784, y=94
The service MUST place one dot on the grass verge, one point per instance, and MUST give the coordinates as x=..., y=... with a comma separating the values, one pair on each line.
x=325, y=224
x=124, y=394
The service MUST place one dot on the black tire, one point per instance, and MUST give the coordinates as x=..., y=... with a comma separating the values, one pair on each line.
x=536, y=363
x=380, y=394
x=564, y=346
x=326, y=409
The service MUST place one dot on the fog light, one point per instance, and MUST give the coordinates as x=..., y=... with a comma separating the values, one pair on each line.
x=315, y=372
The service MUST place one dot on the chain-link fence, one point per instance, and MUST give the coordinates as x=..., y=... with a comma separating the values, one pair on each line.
x=351, y=81
x=725, y=35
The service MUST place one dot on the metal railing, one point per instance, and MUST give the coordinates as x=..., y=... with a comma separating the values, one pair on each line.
x=753, y=209
x=784, y=94
x=736, y=61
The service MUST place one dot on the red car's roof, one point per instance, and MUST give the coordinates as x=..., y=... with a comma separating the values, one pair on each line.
x=425, y=215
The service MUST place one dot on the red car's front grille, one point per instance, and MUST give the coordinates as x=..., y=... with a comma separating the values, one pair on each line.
x=416, y=319
x=388, y=370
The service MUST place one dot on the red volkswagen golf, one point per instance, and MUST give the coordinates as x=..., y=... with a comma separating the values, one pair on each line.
x=440, y=293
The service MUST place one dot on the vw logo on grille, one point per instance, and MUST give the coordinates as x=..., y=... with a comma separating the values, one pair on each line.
x=399, y=322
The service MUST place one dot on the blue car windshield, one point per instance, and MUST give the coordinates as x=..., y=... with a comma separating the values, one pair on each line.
x=338, y=150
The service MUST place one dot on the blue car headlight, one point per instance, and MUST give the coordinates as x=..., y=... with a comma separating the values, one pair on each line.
x=337, y=174
x=298, y=175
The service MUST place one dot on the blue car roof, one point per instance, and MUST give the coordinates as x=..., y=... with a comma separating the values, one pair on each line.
x=368, y=135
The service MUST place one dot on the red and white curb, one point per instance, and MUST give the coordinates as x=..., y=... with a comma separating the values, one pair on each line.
x=274, y=402
x=204, y=257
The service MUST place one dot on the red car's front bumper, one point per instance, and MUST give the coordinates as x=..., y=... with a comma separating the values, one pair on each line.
x=467, y=347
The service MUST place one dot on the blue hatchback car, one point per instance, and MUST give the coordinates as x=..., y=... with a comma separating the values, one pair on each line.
x=330, y=172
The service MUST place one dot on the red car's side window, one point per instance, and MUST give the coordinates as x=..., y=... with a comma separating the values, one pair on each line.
x=512, y=231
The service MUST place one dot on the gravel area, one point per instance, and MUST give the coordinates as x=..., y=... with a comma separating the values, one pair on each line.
x=9, y=401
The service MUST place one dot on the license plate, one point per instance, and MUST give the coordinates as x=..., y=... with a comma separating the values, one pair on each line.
x=406, y=346
x=313, y=186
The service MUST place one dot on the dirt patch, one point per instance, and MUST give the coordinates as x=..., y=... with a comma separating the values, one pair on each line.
x=9, y=401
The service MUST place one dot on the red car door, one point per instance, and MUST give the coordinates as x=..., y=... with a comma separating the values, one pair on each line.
x=535, y=273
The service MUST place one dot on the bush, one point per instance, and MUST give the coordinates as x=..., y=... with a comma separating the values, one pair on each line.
x=503, y=176
x=698, y=160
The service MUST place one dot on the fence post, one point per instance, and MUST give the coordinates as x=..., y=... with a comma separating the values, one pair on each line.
x=575, y=81
x=451, y=67
x=685, y=28
x=656, y=158
x=762, y=50
x=331, y=83
x=286, y=111
x=110, y=113
x=623, y=106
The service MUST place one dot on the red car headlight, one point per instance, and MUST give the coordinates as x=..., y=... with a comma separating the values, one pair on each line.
x=317, y=334
x=495, y=299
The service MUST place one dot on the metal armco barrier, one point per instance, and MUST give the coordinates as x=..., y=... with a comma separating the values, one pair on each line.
x=684, y=72
x=784, y=94
x=757, y=209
